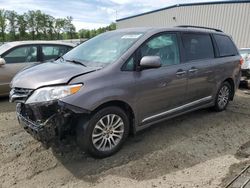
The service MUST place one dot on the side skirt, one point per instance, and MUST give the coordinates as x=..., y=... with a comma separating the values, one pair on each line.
x=141, y=127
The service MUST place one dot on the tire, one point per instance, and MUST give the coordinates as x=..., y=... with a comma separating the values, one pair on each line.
x=223, y=97
x=103, y=133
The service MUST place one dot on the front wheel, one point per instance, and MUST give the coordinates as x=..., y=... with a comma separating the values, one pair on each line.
x=104, y=132
x=223, y=97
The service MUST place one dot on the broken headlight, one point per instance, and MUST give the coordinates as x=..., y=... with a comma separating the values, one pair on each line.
x=52, y=93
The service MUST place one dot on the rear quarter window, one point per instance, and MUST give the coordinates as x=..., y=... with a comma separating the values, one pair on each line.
x=225, y=46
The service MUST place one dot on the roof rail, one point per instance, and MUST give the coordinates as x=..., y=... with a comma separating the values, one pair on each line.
x=199, y=27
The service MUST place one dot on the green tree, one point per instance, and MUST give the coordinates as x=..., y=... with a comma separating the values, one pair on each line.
x=59, y=26
x=84, y=33
x=50, y=25
x=12, y=19
x=22, y=26
x=112, y=26
x=87, y=34
x=38, y=25
x=69, y=28
x=31, y=22
x=3, y=23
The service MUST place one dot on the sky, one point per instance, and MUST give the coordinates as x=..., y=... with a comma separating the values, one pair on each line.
x=90, y=14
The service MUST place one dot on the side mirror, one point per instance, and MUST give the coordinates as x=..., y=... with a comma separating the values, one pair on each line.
x=150, y=62
x=2, y=61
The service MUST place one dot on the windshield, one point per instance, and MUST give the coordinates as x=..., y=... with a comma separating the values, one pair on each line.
x=245, y=54
x=245, y=51
x=103, y=49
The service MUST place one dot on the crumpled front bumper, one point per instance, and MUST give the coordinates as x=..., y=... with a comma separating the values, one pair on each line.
x=47, y=121
x=43, y=132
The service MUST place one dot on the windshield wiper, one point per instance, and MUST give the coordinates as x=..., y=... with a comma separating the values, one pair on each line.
x=60, y=57
x=75, y=61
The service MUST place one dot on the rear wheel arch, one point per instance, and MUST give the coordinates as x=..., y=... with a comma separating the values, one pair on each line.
x=232, y=84
x=222, y=97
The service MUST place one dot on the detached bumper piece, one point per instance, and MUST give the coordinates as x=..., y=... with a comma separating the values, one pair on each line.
x=45, y=121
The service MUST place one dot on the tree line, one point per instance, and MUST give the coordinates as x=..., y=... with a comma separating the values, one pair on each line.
x=36, y=25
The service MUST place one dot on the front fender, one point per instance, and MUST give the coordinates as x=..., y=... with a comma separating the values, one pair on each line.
x=93, y=99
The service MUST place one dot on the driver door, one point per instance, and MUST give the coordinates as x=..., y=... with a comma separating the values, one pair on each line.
x=161, y=90
x=16, y=59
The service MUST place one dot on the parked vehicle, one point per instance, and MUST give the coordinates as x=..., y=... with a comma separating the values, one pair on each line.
x=14, y=56
x=123, y=81
x=245, y=68
x=245, y=54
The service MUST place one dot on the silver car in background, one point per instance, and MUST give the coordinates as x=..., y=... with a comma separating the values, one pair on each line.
x=245, y=54
x=14, y=56
x=245, y=67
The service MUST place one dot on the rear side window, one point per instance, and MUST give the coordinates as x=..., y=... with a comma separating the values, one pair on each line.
x=225, y=45
x=197, y=46
x=53, y=51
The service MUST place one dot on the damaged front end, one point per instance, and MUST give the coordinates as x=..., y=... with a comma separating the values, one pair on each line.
x=45, y=121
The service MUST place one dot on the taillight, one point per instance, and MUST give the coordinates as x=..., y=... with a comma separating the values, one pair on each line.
x=241, y=61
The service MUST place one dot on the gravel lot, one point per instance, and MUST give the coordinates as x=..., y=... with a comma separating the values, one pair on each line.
x=199, y=149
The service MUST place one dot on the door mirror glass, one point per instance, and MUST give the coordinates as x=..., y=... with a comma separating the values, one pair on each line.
x=2, y=61
x=150, y=62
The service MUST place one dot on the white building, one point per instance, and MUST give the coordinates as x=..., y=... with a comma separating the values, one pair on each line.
x=232, y=17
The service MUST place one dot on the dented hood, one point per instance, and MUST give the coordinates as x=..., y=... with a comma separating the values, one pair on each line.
x=51, y=73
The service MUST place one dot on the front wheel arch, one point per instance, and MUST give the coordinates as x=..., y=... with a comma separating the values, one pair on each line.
x=86, y=127
x=124, y=106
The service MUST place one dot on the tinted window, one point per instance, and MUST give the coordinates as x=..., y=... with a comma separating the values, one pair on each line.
x=198, y=46
x=53, y=52
x=165, y=46
x=225, y=45
x=22, y=54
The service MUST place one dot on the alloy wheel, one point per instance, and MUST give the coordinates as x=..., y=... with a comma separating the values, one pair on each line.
x=223, y=96
x=108, y=132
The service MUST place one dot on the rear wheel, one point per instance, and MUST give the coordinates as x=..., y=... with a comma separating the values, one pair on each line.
x=104, y=132
x=223, y=97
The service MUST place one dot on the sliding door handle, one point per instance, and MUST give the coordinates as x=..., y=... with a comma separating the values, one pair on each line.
x=193, y=70
x=180, y=72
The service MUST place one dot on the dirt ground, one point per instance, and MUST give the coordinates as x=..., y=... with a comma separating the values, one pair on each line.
x=199, y=149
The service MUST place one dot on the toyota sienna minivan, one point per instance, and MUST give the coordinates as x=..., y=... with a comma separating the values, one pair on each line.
x=123, y=81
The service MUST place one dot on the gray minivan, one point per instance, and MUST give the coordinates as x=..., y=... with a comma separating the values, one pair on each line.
x=123, y=81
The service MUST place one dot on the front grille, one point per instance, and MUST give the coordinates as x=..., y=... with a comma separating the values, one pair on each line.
x=20, y=94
